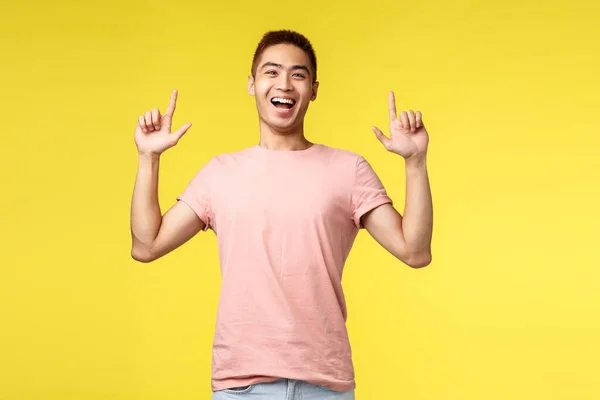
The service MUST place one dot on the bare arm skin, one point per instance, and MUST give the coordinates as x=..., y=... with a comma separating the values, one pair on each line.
x=408, y=238
x=152, y=234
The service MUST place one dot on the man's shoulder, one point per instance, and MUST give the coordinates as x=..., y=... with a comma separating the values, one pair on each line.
x=232, y=157
x=223, y=163
x=341, y=154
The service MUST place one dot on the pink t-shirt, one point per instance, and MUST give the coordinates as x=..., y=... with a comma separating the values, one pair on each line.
x=285, y=223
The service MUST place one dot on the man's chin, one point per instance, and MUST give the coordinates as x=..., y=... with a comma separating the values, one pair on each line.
x=281, y=129
x=281, y=126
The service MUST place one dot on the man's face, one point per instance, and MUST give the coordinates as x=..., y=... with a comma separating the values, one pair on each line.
x=283, y=87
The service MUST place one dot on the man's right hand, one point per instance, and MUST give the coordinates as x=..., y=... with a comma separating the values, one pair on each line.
x=153, y=131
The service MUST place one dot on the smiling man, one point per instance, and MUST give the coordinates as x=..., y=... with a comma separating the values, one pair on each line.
x=286, y=213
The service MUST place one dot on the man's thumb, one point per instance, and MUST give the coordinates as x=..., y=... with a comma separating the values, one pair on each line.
x=180, y=132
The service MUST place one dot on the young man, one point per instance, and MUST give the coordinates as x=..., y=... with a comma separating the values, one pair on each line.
x=286, y=213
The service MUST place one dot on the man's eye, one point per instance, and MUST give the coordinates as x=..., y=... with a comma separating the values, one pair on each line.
x=299, y=75
x=270, y=72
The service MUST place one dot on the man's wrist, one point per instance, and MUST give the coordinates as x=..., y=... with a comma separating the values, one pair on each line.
x=416, y=162
x=148, y=156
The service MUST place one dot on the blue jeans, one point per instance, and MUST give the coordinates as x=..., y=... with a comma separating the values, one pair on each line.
x=282, y=389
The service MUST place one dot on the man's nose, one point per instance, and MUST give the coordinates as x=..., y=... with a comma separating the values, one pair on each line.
x=284, y=82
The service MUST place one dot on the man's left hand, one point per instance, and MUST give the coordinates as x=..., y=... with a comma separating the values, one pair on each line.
x=408, y=136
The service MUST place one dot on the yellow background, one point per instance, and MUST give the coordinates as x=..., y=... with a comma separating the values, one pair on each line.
x=510, y=306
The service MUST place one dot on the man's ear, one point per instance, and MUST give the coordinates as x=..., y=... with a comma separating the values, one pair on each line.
x=315, y=89
x=251, y=85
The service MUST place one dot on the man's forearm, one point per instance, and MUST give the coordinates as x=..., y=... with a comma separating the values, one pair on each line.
x=417, y=222
x=145, y=209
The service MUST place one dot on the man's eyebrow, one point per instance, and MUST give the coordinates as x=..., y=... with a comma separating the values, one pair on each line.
x=271, y=64
x=293, y=67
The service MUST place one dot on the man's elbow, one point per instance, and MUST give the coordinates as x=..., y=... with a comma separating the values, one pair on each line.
x=142, y=255
x=419, y=260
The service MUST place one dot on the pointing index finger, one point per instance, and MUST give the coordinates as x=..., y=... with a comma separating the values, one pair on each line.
x=171, y=108
x=392, y=106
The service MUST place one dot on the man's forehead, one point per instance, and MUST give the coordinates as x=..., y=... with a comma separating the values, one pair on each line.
x=285, y=55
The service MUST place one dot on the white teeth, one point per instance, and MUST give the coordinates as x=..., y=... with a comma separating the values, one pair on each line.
x=280, y=100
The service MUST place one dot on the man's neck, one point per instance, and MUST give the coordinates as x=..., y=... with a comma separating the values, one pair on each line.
x=283, y=141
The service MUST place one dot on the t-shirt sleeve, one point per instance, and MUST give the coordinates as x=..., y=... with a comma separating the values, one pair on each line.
x=197, y=194
x=368, y=192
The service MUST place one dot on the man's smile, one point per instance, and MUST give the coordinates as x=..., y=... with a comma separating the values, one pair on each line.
x=283, y=105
